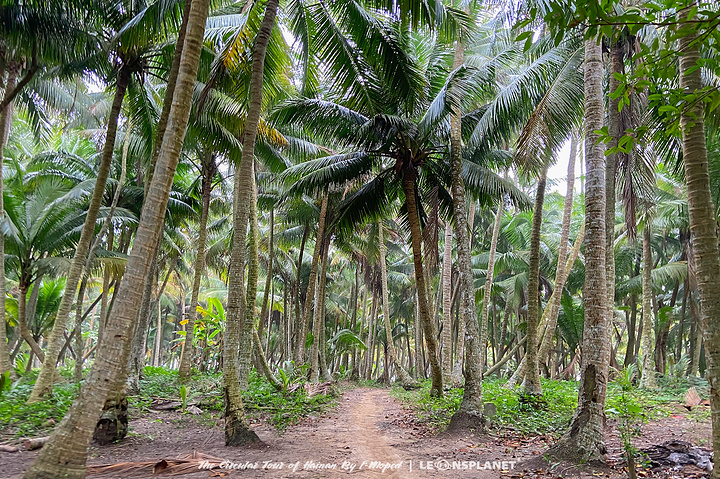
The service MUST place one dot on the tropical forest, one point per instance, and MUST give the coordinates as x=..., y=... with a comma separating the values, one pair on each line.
x=380, y=238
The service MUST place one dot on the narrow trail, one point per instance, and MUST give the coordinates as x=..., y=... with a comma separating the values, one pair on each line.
x=364, y=436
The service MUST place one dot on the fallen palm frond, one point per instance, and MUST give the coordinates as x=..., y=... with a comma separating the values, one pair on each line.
x=186, y=464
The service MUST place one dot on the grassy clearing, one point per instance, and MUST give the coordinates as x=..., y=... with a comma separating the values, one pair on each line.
x=18, y=419
x=548, y=417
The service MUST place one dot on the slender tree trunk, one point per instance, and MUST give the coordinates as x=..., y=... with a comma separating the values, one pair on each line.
x=299, y=305
x=237, y=431
x=65, y=453
x=77, y=330
x=5, y=121
x=320, y=313
x=531, y=382
x=469, y=414
x=268, y=281
x=44, y=382
x=647, y=379
x=446, y=335
x=402, y=374
x=584, y=438
x=428, y=324
x=310, y=294
x=457, y=378
x=246, y=337
x=548, y=322
x=208, y=172
x=703, y=224
x=22, y=322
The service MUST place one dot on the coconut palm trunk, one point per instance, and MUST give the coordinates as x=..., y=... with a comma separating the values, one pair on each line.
x=647, y=379
x=446, y=335
x=405, y=380
x=318, y=313
x=44, y=382
x=65, y=453
x=584, y=438
x=531, y=381
x=409, y=179
x=457, y=376
x=268, y=279
x=253, y=267
x=485, y=314
x=5, y=121
x=208, y=171
x=237, y=431
x=469, y=414
x=312, y=282
x=703, y=225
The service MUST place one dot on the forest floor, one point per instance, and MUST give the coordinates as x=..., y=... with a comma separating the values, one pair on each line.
x=368, y=434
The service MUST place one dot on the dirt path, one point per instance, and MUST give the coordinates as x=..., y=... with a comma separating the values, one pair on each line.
x=369, y=435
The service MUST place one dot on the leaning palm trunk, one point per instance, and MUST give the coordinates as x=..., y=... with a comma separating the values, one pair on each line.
x=703, y=224
x=531, y=381
x=312, y=281
x=237, y=431
x=584, y=438
x=5, y=120
x=647, y=379
x=485, y=314
x=65, y=453
x=446, y=335
x=409, y=178
x=469, y=414
x=187, y=345
x=405, y=380
x=44, y=382
x=548, y=322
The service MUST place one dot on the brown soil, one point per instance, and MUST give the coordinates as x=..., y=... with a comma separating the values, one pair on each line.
x=366, y=432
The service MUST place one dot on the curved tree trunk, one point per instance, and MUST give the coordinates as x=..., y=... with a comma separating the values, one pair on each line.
x=268, y=280
x=237, y=431
x=703, y=225
x=430, y=331
x=584, y=438
x=208, y=171
x=44, y=382
x=405, y=380
x=548, y=322
x=5, y=121
x=322, y=356
x=65, y=453
x=531, y=381
x=312, y=282
x=647, y=380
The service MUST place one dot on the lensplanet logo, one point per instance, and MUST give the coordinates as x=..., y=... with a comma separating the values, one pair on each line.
x=445, y=465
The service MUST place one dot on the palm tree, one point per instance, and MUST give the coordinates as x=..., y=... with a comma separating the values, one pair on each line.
x=130, y=57
x=584, y=438
x=66, y=451
x=703, y=220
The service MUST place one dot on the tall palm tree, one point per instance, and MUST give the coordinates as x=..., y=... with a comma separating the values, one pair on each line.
x=703, y=220
x=584, y=438
x=130, y=57
x=66, y=451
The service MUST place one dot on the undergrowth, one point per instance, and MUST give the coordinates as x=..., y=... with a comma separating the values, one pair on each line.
x=18, y=419
x=531, y=418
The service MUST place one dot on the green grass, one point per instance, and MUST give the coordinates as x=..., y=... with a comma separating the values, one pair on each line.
x=550, y=416
x=18, y=419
